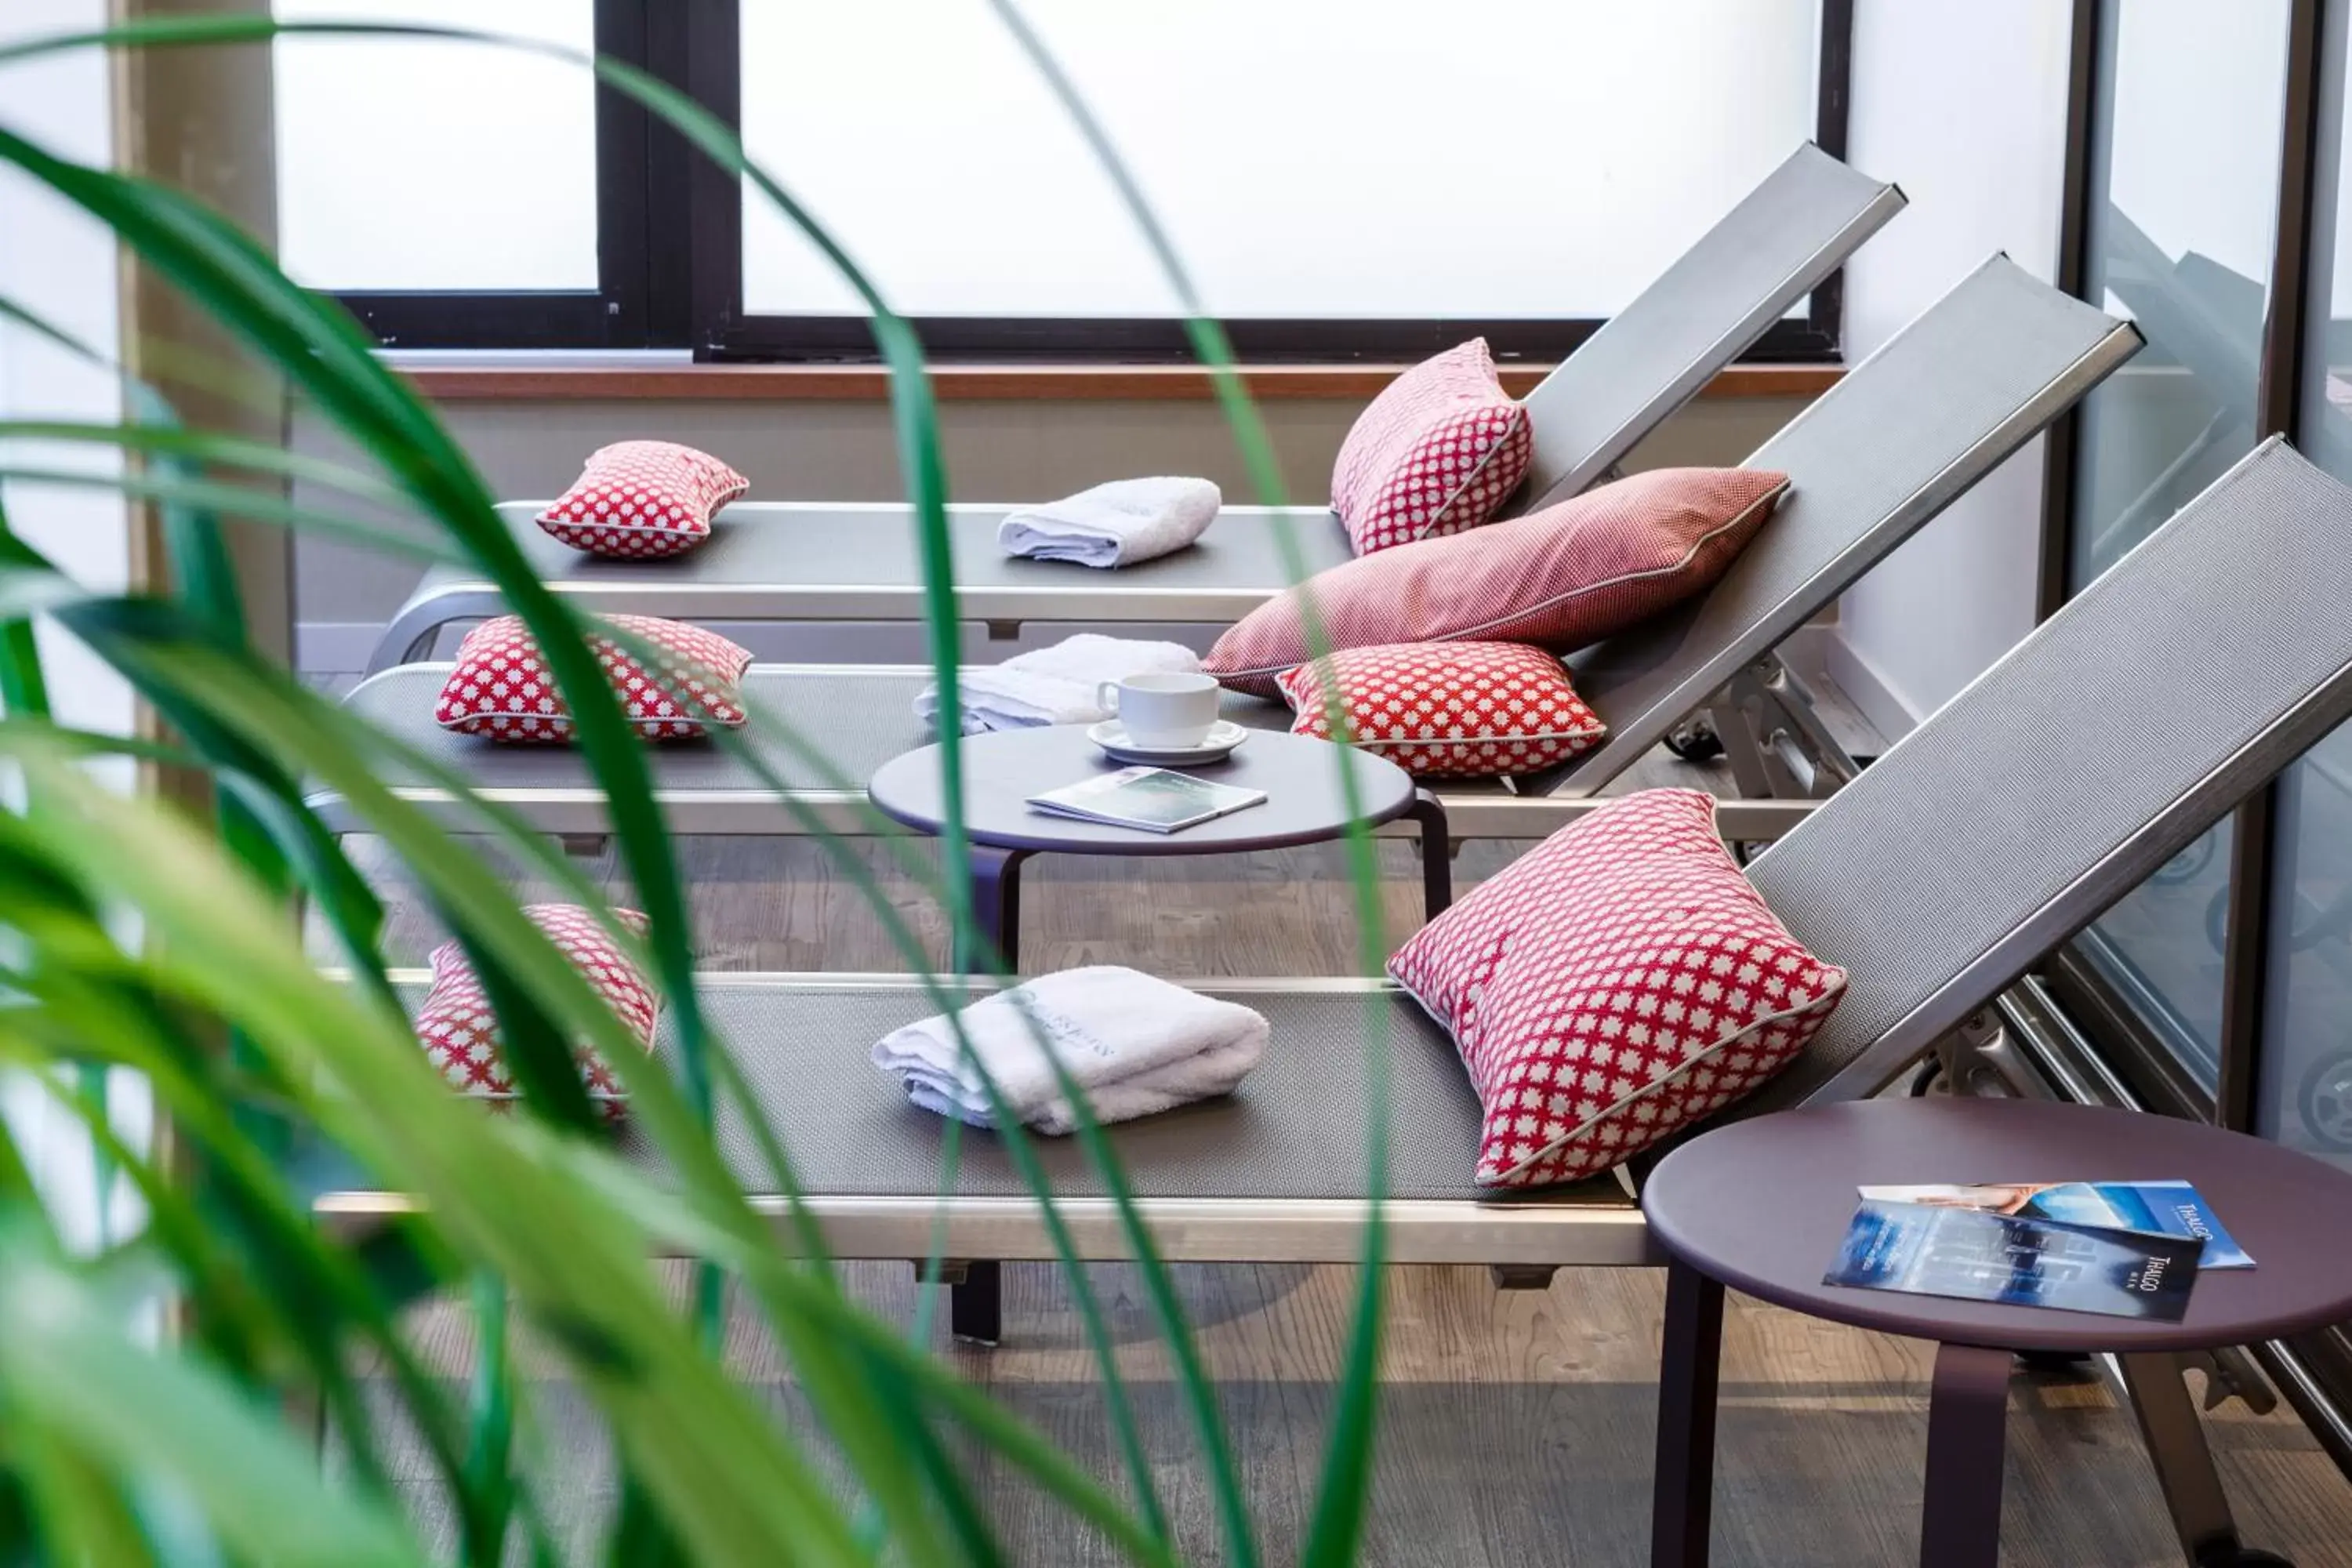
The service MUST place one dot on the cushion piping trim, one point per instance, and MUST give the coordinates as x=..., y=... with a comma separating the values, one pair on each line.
x=600, y=1096
x=1700, y=1061
x=1493, y=452
x=735, y=492
x=1599, y=732
x=697, y=530
x=565, y=718
x=1470, y=634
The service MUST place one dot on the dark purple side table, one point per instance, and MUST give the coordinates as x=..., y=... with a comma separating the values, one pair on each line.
x=1760, y=1206
x=1002, y=770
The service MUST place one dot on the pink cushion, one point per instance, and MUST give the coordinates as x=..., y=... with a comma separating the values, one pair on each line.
x=1463, y=710
x=1560, y=578
x=1439, y=450
x=641, y=499
x=500, y=686
x=1617, y=982
x=460, y=1034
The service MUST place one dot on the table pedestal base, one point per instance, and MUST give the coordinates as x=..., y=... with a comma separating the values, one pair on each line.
x=1959, y=1522
x=1967, y=1418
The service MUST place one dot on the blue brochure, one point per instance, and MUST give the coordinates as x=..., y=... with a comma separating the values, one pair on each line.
x=2159, y=1208
x=1929, y=1249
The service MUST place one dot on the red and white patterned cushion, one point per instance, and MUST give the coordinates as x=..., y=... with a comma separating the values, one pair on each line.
x=1439, y=450
x=500, y=686
x=1460, y=710
x=639, y=500
x=1560, y=578
x=460, y=1034
x=1618, y=983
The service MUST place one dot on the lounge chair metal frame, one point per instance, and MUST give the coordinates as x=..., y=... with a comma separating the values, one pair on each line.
x=1920, y=877
x=1768, y=252
x=1871, y=462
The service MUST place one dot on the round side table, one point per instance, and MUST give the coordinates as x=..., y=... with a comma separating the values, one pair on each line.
x=1760, y=1206
x=1003, y=769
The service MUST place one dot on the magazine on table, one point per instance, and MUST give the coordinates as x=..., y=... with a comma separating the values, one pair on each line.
x=1155, y=798
x=1979, y=1255
x=2159, y=1208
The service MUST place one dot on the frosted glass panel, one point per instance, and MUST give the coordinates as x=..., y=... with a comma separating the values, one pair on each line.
x=1309, y=158
x=426, y=164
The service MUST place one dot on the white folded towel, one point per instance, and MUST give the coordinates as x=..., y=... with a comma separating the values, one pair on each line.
x=1134, y=1043
x=1053, y=685
x=1116, y=524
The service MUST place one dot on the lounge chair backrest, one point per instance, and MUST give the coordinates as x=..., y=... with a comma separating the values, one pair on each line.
x=1768, y=252
x=1871, y=462
x=2198, y=665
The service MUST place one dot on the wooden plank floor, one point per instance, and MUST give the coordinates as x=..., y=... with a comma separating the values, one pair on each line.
x=1517, y=1426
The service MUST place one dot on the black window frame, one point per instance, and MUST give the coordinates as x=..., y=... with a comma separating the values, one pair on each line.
x=669, y=253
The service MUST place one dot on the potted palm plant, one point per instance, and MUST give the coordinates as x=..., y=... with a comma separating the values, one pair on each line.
x=164, y=1392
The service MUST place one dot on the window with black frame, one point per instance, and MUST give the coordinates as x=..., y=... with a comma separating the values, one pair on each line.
x=1342, y=178
x=517, y=210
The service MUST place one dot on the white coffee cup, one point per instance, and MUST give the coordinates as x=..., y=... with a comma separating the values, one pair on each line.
x=1169, y=711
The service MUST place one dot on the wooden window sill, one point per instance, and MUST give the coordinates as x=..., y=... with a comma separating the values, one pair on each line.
x=512, y=382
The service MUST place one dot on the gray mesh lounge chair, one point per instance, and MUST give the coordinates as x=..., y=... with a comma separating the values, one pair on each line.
x=1870, y=461
x=1924, y=878
x=819, y=562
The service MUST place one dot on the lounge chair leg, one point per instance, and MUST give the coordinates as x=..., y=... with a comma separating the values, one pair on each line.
x=976, y=1305
x=1764, y=756
x=1682, y=1494
x=996, y=907
x=976, y=1301
x=305, y=1412
x=1800, y=711
x=1436, y=853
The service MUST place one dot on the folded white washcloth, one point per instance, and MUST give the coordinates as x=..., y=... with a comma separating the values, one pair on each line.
x=1053, y=685
x=1134, y=1043
x=1116, y=524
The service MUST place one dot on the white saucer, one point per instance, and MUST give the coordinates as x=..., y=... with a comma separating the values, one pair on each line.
x=1223, y=737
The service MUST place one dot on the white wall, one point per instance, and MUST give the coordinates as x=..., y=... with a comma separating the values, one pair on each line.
x=1964, y=106
x=61, y=266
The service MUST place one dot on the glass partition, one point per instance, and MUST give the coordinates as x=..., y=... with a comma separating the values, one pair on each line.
x=2303, y=1076
x=2183, y=178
